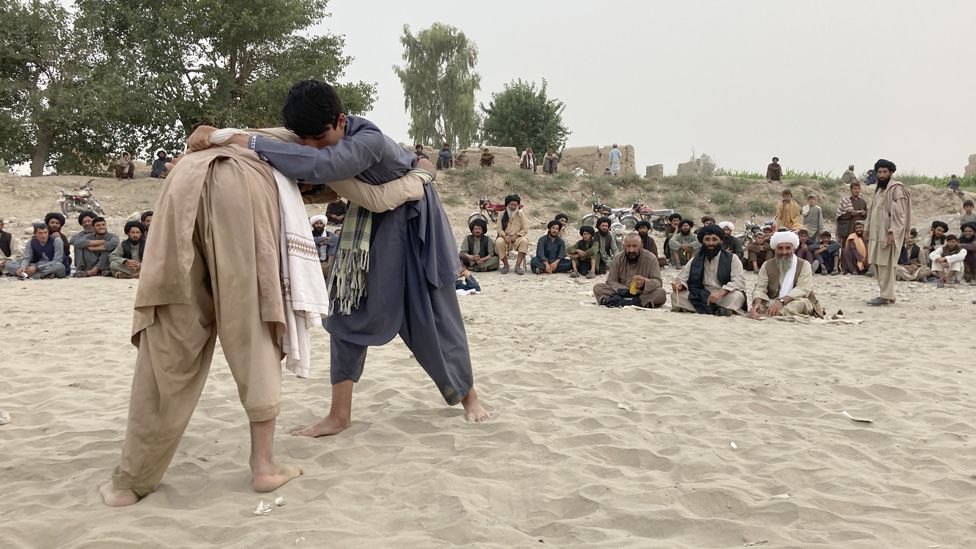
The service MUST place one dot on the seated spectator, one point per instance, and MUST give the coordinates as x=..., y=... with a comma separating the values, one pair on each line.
x=158, y=169
x=674, y=222
x=124, y=168
x=77, y=241
x=606, y=244
x=730, y=243
x=326, y=242
x=854, y=255
x=419, y=151
x=466, y=283
x=954, y=183
x=550, y=252
x=335, y=212
x=563, y=220
x=445, y=158
x=512, y=228
x=527, y=160
x=707, y=220
x=968, y=242
x=43, y=257
x=126, y=259
x=804, y=250
x=55, y=229
x=788, y=214
x=146, y=220
x=713, y=282
x=785, y=284
x=643, y=229
x=758, y=251
x=827, y=254
x=479, y=249
x=935, y=240
x=96, y=251
x=910, y=268
x=948, y=261
x=487, y=159
x=684, y=244
x=584, y=256
x=7, y=247
x=634, y=278
x=967, y=213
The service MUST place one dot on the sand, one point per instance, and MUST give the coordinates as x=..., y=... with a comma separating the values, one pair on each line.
x=611, y=428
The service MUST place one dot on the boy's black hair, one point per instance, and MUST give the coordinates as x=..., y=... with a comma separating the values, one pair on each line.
x=98, y=219
x=311, y=107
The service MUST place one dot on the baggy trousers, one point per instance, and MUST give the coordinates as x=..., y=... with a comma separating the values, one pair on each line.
x=176, y=350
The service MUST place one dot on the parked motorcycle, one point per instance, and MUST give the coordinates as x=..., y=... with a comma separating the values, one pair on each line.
x=657, y=218
x=488, y=211
x=753, y=228
x=79, y=200
x=624, y=216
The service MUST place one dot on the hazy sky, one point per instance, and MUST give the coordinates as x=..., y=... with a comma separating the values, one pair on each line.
x=820, y=83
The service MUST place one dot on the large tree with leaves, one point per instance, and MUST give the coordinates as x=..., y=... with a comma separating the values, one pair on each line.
x=523, y=116
x=439, y=82
x=62, y=98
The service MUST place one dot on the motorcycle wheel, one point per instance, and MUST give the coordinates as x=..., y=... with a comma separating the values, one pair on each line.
x=629, y=222
x=66, y=208
x=476, y=215
x=660, y=224
x=97, y=208
x=589, y=219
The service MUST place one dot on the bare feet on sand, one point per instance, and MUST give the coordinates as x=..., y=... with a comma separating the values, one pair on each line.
x=473, y=410
x=117, y=498
x=272, y=478
x=328, y=426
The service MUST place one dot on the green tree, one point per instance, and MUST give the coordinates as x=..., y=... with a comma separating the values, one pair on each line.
x=228, y=62
x=523, y=116
x=60, y=99
x=439, y=82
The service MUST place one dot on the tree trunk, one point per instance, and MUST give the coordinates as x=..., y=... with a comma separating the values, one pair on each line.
x=45, y=139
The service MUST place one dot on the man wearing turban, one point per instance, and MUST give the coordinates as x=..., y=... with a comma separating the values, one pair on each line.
x=584, y=256
x=512, y=228
x=730, y=243
x=684, y=243
x=785, y=285
x=479, y=248
x=713, y=282
x=888, y=224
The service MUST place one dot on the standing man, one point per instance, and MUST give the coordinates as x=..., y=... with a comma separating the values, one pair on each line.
x=813, y=219
x=852, y=208
x=788, y=213
x=889, y=221
x=849, y=177
x=511, y=229
x=614, y=161
x=774, y=172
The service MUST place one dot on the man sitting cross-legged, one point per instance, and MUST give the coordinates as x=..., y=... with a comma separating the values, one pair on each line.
x=785, y=284
x=948, y=261
x=606, y=244
x=968, y=242
x=910, y=268
x=584, y=256
x=126, y=260
x=43, y=257
x=80, y=239
x=854, y=256
x=512, y=228
x=8, y=247
x=827, y=253
x=684, y=244
x=550, y=252
x=479, y=248
x=95, y=251
x=730, y=243
x=634, y=278
x=805, y=249
x=758, y=251
x=713, y=282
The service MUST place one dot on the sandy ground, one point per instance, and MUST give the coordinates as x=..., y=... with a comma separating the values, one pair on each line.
x=612, y=428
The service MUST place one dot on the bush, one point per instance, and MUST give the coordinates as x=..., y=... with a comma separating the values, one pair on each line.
x=677, y=200
x=569, y=206
x=760, y=207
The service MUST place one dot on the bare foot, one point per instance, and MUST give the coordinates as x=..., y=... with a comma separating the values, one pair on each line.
x=328, y=426
x=117, y=498
x=274, y=477
x=473, y=410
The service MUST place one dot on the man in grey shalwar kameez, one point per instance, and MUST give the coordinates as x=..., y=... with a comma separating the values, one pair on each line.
x=413, y=260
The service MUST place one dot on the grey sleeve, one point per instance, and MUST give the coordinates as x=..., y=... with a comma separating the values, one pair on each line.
x=111, y=242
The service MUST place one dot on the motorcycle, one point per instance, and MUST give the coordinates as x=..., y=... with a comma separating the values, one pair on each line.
x=625, y=217
x=488, y=211
x=753, y=228
x=657, y=218
x=79, y=200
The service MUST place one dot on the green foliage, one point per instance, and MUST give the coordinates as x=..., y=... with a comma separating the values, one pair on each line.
x=439, y=82
x=569, y=206
x=600, y=187
x=935, y=181
x=787, y=175
x=523, y=116
x=761, y=207
x=676, y=200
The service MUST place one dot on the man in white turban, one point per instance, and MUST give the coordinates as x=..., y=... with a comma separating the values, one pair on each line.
x=730, y=243
x=785, y=285
x=327, y=242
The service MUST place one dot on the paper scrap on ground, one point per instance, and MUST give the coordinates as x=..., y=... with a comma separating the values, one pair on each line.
x=733, y=445
x=857, y=419
x=4, y=418
x=279, y=501
x=263, y=508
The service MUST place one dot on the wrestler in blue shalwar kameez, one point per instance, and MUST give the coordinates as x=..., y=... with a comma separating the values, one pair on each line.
x=413, y=261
